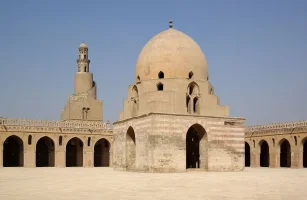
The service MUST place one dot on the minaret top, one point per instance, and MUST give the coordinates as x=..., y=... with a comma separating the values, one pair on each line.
x=170, y=23
x=83, y=45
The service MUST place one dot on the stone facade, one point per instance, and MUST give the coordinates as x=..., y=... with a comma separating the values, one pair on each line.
x=32, y=143
x=172, y=120
x=156, y=142
x=276, y=145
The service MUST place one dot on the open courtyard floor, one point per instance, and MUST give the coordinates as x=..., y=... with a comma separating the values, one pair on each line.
x=104, y=183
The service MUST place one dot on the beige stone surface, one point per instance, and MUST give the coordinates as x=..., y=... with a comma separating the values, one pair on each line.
x=104, y=183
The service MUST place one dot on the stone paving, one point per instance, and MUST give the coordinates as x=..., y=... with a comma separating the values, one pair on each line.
x=104, y=183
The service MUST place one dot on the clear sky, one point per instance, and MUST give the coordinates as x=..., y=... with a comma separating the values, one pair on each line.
x=256, y=52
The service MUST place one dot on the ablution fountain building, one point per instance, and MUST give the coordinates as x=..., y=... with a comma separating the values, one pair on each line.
x=171, y=121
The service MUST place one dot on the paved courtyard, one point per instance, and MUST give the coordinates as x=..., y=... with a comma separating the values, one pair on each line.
x=104, y=183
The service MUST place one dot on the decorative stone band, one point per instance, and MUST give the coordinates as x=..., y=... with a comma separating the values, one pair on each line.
x=55, y=123
x=276, y=129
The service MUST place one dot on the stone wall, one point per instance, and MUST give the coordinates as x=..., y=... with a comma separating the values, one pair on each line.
x=60, y=133
x=275, y=135
x=160, y=143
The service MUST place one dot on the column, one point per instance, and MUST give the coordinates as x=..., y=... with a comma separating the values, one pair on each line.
x=88, y=156
x=273, y=159
x=29, y=156
x=296, y=156
x=60, y=158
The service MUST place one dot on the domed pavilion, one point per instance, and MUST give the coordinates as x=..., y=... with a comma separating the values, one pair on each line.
x=172, y=120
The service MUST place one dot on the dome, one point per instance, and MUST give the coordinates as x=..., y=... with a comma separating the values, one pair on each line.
x=175, y=54
x=83, y=45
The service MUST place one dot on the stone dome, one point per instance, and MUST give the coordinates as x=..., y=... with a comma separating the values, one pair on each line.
x=175, y=54
x=83, y=45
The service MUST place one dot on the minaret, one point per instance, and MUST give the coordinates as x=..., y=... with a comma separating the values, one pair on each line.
x=83, y=105
x=83, y=78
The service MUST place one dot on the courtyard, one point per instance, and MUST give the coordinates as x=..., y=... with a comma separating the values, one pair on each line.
x=104, y=183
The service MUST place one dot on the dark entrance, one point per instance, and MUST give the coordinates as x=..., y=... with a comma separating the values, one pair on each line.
x=285, y=154
x=74, y=153
x=247, y=155
x=45, y=152
x=13, y=152
x=264, y=154
x=130, y=149
x=193, y=138
x=305, y=153
x=101, y=153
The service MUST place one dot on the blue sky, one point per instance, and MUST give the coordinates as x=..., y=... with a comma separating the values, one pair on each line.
x=256, y=52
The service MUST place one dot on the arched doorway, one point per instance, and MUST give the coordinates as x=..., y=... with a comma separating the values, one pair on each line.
x=13, y=152
x=74, y=153
x=101, y=153
x=285, y=153
x=196, y=147
x=247, y=155
x=130, y=149
x=305, y=152
x=45, y=152
x=264, y=154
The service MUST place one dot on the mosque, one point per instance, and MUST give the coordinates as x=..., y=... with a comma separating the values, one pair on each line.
x=171, y=121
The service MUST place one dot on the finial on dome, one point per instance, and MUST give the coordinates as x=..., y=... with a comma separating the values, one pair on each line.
x=170, y=23
x=83, y=45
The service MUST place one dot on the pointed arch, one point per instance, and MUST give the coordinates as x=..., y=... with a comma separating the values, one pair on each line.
x=102, y=153
x=160, y=86
x=193, y=88
x=264, y=153
x=13, y=152
x=45, y=152
x=285, y=153
x=161, y=75
x=196, y=147
x=247, y=155
x=130, y=149
x=74, y=152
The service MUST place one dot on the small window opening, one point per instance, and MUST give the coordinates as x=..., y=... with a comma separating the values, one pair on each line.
x=295, y=140
x=161, y=75
x=84, y=56
x=191, y=74
x=85, y=69
x=60, y=140
x=254, y=143
x=160, y=86
x=191, y=89
x=207, y=78
x=138, y=78
x=188, y=102
x=89, y=141
x=195, y=104
x=273, y=142
x=29, y=139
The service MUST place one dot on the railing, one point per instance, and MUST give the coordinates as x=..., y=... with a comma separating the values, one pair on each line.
x=276, y=126
x=55, y=123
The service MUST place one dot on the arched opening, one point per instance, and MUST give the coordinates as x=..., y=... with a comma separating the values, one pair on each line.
x=247, y=155
x=305, y=153
x=188, y=103
x=45, y=152
x=196, y=105
x=191, y=74
x=74, y=153
x=13, y=152
x=196, y=147
x=161, y=75
x=193, y=89
x=134, y=102
x=264, y=154
x=285, y=153
x=159, y=86
x=29, y=139
x=101, y=153
x=130, y=149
